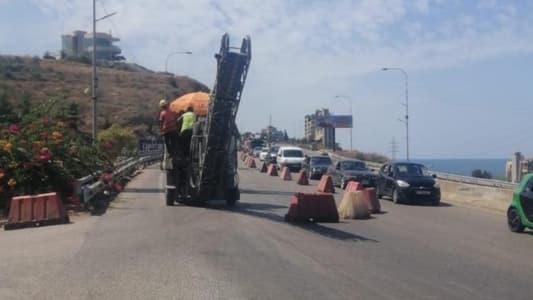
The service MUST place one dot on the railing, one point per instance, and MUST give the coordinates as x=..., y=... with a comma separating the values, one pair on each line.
x=86, y=188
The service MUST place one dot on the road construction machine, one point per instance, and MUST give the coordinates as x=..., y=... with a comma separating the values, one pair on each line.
x=209, y=170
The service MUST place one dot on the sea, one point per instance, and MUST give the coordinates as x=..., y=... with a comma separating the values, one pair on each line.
x=496, y=166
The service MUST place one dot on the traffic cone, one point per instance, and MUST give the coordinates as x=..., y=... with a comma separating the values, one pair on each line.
x=251, y=163
x=286, y=174
x=326, y=185
x=264, y=168
x=272, y=171
x=302, y=178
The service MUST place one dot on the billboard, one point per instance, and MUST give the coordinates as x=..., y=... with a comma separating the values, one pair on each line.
x=341, y=121
x=150, y=146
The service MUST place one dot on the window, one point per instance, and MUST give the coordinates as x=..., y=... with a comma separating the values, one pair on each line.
x=411, y=170
x=322, y=160
x=353, y=165
x=293, y=153
x=529, y=185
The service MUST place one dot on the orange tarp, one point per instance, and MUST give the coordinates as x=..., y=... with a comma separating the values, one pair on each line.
x=198, y=101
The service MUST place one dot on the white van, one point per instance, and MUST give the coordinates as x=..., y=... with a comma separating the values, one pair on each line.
x=291, y=157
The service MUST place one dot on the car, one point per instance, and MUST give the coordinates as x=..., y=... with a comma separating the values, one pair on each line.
x=346, y=170
x=263, y=154
x=291, y=157
x=407, y=182
x=318, y=165
x=256, y=151
x=520, y=212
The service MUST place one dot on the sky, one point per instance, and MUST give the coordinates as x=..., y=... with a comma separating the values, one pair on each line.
x=469, y=63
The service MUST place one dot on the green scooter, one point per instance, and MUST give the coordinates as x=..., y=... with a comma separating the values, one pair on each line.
x=520, y=212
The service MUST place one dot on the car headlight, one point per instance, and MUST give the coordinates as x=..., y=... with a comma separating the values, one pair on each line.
x=402, y=183
x=436, y=185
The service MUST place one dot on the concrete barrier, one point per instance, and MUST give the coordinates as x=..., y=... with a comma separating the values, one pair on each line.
x=491, y=198
x=314, y=207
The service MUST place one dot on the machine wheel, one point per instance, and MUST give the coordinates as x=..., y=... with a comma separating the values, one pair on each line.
x=170, y=197
x=436, y=202
x=232, y=195
x=513, y=220
x=378, y=192
x=396, y=197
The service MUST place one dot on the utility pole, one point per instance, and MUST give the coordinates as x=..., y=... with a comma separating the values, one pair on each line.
x=93, y=89
x=406, y=104
x=394, y=148
x=269, y=141
x=166, y=67
x=94, y=79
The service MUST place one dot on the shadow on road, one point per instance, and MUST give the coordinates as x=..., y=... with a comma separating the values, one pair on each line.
x=263, y=210
x=333, y=232
x=147, y=190
x=265, y=192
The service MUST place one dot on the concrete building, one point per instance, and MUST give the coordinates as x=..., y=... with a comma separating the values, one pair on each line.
x=517, y=167
x=80, y=44
x=317, y=129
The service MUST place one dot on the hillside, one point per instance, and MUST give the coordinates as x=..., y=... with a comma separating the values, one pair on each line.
x=127, y=94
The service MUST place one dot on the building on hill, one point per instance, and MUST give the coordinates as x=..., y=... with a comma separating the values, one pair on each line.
x=319, y=130
x=517, y=167
x=80, y=44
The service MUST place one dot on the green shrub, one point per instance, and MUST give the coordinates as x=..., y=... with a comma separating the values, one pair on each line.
x=117, y=141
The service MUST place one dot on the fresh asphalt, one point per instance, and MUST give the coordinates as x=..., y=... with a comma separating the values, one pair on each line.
x=141, y=249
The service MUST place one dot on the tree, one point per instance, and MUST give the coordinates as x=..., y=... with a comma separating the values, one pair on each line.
x=117, y=140
x=478, y=173
x=285, y=136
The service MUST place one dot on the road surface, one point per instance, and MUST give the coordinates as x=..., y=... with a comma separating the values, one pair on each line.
x=141, y=249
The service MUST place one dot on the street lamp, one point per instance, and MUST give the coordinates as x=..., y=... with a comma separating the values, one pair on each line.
x=351, y=114
x=166, y=64
x=406, y=104
x=93, y=89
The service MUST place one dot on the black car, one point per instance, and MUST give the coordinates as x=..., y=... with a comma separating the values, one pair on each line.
x=317, y=166
x=408, y=182
x=351, y=170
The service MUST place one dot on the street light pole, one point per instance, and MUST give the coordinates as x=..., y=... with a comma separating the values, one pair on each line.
x=166, y=65
x=94, y=80
x=93, y=89
x=351, y=114
x=406, y=104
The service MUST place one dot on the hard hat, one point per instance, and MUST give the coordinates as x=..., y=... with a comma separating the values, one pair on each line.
x=163, y=103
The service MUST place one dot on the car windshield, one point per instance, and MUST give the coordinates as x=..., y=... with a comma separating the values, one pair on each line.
x=353, y=165
x=293, y=153
x=411, y=170
x=274, y=150
x=320, y=160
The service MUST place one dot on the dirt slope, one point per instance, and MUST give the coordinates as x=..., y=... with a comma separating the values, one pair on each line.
x=127, y=94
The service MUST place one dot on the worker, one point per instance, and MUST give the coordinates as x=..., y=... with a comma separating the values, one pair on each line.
x=187, y=122
x=169, y=127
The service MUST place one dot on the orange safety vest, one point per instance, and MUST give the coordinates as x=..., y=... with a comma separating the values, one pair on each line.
x=168, y=121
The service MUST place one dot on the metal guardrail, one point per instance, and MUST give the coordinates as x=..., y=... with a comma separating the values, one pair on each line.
x=88, y=187
x=450, y=177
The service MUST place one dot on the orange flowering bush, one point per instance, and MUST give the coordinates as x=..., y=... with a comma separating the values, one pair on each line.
x=41, y=154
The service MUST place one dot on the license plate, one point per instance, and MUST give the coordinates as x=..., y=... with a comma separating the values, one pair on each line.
x=423, y=192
